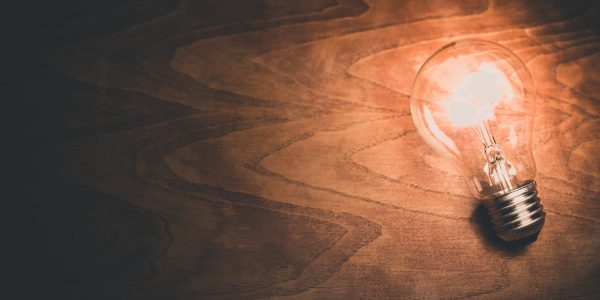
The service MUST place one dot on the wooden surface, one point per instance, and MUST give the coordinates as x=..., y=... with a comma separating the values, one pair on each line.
x=265, y=149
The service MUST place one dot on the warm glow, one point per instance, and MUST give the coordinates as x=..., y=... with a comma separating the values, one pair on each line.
x=512, y=136
x=477, y=94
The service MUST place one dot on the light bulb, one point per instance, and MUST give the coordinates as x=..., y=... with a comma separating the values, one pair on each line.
x=473, y=101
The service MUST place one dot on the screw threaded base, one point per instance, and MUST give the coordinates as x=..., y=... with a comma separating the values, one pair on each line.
x=517, y=214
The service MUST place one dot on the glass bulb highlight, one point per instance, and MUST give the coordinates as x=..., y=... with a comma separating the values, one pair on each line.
x=473, y=101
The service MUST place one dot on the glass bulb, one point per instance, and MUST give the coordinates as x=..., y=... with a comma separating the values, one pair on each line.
x=473, y=101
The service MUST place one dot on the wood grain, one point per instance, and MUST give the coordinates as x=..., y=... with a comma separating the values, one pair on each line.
x=265, y=149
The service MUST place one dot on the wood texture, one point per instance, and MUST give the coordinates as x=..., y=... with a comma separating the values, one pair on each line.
x=265, y=149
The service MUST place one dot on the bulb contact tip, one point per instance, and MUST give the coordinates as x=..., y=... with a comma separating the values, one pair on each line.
x=517, y=214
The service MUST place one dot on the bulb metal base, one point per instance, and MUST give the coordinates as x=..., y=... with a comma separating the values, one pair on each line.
x=517, y=214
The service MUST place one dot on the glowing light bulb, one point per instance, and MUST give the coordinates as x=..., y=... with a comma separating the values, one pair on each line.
x=473, y=102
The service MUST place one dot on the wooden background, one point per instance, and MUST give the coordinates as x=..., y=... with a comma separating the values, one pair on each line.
x=264, y=149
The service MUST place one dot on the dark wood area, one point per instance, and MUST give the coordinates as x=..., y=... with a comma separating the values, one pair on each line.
x=265, y=149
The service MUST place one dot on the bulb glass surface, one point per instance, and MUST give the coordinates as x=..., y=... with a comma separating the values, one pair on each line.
x=473, y=101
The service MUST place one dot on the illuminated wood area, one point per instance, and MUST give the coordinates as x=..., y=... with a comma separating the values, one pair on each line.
x=265, y=149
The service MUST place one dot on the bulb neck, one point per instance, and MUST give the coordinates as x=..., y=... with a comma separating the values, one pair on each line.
x=517, y=214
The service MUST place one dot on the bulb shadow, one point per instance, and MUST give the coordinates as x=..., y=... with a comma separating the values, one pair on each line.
x=485, y=229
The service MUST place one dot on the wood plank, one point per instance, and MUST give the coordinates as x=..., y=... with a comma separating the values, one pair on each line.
x=265, y=149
